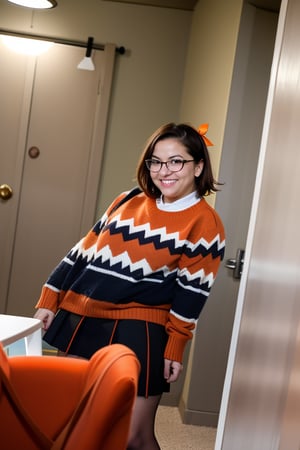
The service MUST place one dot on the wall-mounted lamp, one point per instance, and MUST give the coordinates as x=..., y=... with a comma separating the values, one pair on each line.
x=87, y=63
x=35, y=4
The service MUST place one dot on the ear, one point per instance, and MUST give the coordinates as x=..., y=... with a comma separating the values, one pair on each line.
x=199, y=168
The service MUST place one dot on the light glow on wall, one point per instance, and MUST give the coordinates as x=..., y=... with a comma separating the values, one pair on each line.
x=26, y=46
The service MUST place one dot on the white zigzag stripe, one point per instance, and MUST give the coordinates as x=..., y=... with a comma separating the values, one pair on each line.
x=193, y=289
x=185, y=319
x=145, y=229
x=88, y=253
x=164, y=236
x=200, y=274
x=53, y=288
x=121, y=276
x=91, y=252
x=204, y=243
x=125, y=260
x=68, y=261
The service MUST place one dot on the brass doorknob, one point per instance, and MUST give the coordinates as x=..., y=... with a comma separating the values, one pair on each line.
x=5, y=192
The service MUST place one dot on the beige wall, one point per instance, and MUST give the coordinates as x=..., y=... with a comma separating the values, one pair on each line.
x=171, y=71
x=148, y=79
x=207, y=83
x=209, y=69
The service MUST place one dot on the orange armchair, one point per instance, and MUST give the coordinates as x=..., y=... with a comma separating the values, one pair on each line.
x=49, y=402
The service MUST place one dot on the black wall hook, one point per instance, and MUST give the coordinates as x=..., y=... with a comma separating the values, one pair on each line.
x=89, y=47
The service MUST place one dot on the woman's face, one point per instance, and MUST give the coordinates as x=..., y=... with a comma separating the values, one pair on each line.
x=174, y=185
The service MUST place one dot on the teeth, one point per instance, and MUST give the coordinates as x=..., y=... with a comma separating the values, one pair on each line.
x=167, y=181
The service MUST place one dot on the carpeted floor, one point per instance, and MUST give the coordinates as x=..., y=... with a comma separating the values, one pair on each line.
x=172, y=434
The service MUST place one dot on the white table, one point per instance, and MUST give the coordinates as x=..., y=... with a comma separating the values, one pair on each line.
x=14, y=328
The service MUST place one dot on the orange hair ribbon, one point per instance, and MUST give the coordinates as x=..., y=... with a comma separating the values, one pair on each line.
x=202, y=131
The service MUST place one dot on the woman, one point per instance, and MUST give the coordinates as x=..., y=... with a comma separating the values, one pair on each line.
x=142, y=275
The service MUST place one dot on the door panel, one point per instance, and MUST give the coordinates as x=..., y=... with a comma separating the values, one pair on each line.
x=260, y=407
x=16, y=76
x=64, y=104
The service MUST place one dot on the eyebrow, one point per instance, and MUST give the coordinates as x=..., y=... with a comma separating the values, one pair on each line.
x=170, y=157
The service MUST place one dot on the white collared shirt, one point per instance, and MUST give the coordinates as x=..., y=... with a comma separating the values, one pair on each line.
x=180, y=204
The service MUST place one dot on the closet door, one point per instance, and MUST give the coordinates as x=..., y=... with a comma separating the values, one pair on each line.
x=16, y=77
x=61, y=167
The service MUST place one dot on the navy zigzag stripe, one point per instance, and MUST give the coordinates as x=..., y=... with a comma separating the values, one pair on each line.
x=214, y=249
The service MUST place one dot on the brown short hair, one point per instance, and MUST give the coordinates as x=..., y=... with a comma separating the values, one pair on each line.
x=196, y=147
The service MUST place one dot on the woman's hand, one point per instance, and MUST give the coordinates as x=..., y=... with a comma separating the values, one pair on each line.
x=46, y=316
x=172, y=370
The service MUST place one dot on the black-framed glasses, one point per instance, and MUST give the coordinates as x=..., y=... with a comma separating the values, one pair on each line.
x=173, y=165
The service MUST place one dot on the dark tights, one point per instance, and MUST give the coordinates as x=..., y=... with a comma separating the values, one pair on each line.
x=142, y=435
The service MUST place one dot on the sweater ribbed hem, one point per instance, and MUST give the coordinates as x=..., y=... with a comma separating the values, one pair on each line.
x=104, y=310
x=79, y=304
x=84, y=306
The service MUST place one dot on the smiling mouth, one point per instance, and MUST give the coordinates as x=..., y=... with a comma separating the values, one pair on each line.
x=167, y=182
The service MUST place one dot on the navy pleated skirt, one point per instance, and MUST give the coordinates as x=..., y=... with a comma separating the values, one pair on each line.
x=82, y=336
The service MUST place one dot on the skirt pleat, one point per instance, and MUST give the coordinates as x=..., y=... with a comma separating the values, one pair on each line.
x=82, y=336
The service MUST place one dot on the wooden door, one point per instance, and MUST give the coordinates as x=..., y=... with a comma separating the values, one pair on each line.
x=60, y=164
x=16, y=76
x=260, y=405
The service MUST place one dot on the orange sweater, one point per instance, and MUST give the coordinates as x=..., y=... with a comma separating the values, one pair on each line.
x=142, y=263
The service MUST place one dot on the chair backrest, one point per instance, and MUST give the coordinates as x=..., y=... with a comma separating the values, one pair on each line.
x=4, y=364
x=104, y=388
x=105, y=419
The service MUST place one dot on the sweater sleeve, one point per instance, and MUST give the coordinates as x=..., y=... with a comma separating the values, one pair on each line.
x=197, y=272
x=65, y=272
x=71, y=265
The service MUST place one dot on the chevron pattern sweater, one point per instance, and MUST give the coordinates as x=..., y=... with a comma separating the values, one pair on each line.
x=142, y=263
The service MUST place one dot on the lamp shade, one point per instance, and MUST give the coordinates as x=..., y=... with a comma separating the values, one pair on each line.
x=87, y=63
x=35, y=4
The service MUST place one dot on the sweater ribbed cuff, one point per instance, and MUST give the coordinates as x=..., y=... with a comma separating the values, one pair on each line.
x=48, y=299
x=175, y=348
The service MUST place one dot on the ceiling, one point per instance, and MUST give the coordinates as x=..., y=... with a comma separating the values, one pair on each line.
x=270, y=5
x=189, y=5
x=175, y=4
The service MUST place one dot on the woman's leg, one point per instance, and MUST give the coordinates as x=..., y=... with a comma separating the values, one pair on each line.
x=142, y=436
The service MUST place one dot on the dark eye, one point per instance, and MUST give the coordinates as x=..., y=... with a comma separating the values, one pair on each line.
x=154, y=162
x=175, y=162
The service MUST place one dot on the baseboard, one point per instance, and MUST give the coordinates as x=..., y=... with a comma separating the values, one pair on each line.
x=169, y=399
x=201, y=418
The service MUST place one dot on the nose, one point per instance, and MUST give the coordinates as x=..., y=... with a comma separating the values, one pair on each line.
x=164, y=168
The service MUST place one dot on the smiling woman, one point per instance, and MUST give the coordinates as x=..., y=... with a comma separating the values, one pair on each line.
x=143, y=273
x=174, y=178
x=165, y=158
